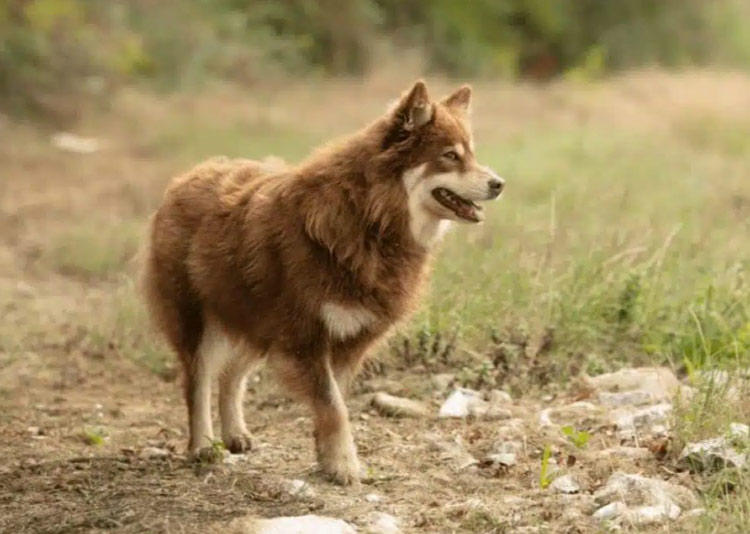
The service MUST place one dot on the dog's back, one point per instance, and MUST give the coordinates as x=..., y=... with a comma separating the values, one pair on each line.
x=205, y=191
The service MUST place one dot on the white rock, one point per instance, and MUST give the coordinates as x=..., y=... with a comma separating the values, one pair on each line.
x=692, y=514
x=635, y=397
x=712, y=454
x=373, y=498
x=660, y=382
x=739, y=431
x=544, y=418
x=565, y=484
x=639, y=500
x=571, y=412
x=382, y=523
x=306, y=524
x=506, y=459
x=298, y=488
x=392, y=406
x=648, y=515
x=75, y=143
x=501, y=447
x=154, y=452
x=629, y=421
x=611, y=510
x=463, y=403
x=233, y=459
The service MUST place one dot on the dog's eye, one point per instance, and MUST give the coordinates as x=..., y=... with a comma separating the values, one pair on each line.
x=451, y=155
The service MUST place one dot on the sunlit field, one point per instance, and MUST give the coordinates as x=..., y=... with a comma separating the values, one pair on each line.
x=622, y=240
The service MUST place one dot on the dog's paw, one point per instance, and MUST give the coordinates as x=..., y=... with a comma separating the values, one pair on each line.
x=344, y=471
x=239, y=443
x=340, y=463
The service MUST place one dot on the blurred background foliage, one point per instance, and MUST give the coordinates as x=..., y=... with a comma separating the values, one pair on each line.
x=51, y=50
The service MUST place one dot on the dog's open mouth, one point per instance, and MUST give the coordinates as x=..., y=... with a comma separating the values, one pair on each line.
x=464, y=209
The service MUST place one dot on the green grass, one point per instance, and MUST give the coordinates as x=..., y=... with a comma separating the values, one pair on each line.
x=627, y=245
x=123, y=326
x=94, y=250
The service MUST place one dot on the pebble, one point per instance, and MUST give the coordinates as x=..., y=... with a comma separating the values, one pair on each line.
x=462, y=403
x=382, y=523
x=373, y=498
x=154, y=452
x=298, y=488
x=306, y=524
x=506, y=459
x=565, y=484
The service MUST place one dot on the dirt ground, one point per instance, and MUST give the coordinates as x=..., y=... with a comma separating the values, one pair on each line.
x=93, y=441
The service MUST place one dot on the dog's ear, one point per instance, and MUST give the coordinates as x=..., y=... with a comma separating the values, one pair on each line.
x=459, y=99
x=414, y=109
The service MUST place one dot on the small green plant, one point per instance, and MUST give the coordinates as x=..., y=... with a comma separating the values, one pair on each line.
x=210, y=455
x=545, y=477
x=93, y=436
x=579, y=438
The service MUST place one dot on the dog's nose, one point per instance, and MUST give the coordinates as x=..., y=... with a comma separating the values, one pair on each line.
x=496, y=186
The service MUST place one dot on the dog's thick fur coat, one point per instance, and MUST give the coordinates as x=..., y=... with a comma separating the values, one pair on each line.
x=307, y=266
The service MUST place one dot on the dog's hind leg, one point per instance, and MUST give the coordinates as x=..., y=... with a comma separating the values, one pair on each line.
x=198, y=397
x=185, y=330
x=232, y=384
x=314, y=381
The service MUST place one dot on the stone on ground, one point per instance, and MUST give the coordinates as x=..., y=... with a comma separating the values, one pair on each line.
x=565, y=484
x=659, y=382
x=382, y=523
x=638, y=500
x=453, y=451
x=717, y=453
x=392, y=406
x=651, y=420
x=469, y=403
x=305, y=524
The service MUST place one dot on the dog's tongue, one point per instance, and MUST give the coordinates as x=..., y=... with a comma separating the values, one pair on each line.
x=466, y=211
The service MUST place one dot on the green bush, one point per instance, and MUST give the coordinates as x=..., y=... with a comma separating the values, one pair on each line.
x=52, y=51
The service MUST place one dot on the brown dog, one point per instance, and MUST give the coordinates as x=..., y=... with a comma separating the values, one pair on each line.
x=307, y=266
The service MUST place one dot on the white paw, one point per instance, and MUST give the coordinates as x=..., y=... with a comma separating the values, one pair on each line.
x=338, y=460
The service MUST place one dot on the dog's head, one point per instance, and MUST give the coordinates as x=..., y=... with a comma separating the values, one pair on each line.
x=442, y=177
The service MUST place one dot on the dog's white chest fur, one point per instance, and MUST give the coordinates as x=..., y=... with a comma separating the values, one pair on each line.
x=345, y=321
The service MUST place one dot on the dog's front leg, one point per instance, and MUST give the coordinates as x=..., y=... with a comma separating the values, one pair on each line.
x=313, y=381
x=334, y=443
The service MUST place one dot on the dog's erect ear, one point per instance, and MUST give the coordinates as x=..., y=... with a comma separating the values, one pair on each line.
x=459, y=99
x=414, y=109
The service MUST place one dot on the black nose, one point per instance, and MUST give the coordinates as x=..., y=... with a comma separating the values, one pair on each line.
x=496, y=186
